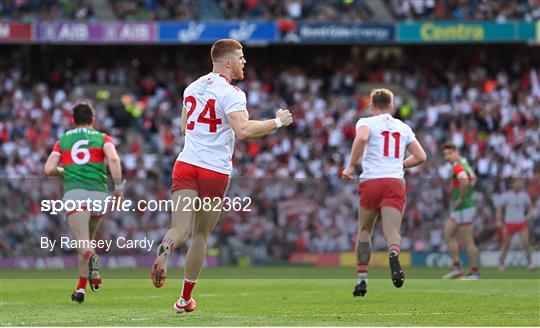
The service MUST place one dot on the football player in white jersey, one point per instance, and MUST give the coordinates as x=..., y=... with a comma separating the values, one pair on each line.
x=214, y=112
x=381, y=141
x=518, y=209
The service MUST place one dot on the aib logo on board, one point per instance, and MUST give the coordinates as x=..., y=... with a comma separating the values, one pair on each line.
x=67, y=32
x=243, y=32
x=192, y=33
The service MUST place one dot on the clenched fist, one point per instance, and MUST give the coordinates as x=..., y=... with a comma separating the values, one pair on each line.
x=348, y=173
x=284, y=116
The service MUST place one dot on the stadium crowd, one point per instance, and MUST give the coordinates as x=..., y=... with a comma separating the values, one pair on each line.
x=478, y=10
x=27, y=11
x=154, y=10
x=311, y=10
x=489, y=107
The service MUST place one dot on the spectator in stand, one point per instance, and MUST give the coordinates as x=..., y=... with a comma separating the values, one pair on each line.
x=280, y=10
x=181, y=10
x=308, y=10
x=477, y=10
x=31, y=10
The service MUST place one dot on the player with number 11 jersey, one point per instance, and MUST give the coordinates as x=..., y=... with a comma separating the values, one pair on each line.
x=382, y=141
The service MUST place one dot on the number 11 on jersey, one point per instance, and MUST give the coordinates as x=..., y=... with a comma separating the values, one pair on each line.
x=396, y=136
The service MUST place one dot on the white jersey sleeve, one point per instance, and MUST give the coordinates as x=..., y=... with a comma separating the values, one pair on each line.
x=235, y=102
x=410, y=136
x=385, y=150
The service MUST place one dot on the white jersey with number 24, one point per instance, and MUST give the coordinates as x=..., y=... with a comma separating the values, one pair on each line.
x=385, y=150
x=209, y=141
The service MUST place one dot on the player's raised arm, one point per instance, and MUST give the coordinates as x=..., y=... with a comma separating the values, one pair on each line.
x=114, y=165
x=417, y=157
x=244, y=128
x=359, y=144
x=51, y=167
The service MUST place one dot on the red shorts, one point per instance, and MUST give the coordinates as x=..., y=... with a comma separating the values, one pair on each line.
x=383, y=192
x=512, y=228
x=206, y=183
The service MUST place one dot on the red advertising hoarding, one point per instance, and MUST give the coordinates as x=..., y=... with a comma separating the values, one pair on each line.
x=15, y=32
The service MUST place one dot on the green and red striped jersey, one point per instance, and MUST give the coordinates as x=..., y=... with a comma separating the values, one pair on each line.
x=82, y=156
x=462, y=165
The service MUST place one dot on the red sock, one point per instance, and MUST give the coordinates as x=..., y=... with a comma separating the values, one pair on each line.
x=455, y=265
x=362, y=270
x=393, y=248
x=169, y=242
x=82, y=283
x=87, y=255
x=474, y=269
x=187, y=288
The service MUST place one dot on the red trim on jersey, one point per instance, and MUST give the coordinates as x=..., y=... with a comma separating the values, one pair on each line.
x=457, y=169
x=223, y=76
x=56, y=148
x=107, y=138
x=228, y=81
x=96, y=156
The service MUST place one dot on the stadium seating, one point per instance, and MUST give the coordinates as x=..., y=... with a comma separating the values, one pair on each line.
x=311, y=10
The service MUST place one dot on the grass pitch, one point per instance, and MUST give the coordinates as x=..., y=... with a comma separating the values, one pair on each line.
x=274, y=296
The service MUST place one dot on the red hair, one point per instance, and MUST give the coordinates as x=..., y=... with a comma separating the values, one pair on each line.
x=223, y=47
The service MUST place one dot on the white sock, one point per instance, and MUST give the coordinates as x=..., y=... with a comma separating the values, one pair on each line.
x=362, y=276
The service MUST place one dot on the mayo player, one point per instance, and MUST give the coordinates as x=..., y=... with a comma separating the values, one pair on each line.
x=382, y=141
x=214, y=111
x=79, y=157
x=462, y=215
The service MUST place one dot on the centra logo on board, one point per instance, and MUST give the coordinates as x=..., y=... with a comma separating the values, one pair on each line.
x=457, y=32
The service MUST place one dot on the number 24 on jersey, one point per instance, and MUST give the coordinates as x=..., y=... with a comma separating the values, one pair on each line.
x=207, y=116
